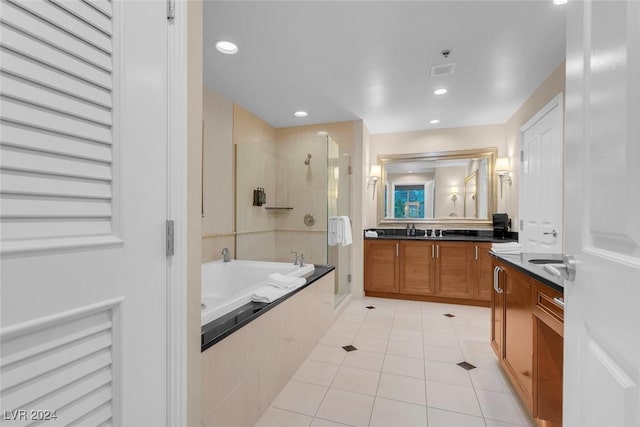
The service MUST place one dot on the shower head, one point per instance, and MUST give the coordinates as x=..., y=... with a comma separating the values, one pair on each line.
x=308, y=160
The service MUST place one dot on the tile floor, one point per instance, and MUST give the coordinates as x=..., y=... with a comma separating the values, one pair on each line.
x=403, y=373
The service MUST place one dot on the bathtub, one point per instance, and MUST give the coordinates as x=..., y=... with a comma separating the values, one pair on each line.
x=229, y=285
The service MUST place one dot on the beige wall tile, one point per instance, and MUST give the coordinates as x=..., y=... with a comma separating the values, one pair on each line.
x=244, y=372
x=218, y=172
x=212, y=246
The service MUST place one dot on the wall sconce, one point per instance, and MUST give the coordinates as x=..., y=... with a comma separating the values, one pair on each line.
x=374, y=174
x=454, y=196
x=503, y=172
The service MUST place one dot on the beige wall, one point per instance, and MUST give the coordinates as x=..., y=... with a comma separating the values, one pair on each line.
x=194, y=162
x=553, y=85
x=446, y=179
x=217, y=182
x=428, y=141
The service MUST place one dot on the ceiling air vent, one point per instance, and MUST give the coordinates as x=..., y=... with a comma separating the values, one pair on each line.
x=443, y=70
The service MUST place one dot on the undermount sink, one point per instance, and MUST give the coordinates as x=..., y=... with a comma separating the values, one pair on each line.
x=545, y=261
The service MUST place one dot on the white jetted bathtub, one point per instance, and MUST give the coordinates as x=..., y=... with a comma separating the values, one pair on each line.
x=229, y=285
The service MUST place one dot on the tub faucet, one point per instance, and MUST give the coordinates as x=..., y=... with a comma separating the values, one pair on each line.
x=226, y=255
x=301, y=260
x=295, y=261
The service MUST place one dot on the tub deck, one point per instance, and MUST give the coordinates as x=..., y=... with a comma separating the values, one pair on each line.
x=223, y=326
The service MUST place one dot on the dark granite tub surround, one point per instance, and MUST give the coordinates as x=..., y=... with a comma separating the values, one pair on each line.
x=534, y=269
x=445, y=235
x=222, y=327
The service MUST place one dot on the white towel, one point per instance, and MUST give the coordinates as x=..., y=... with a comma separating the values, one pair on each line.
x=333, y=230
x=278, y=280
x=507, y=248
x=347, y=239
x=268, y=294
x=370, y=233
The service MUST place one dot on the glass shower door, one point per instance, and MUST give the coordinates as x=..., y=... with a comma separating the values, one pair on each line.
x=338, y=214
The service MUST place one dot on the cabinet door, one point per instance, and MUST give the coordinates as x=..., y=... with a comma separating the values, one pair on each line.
x=548, y=355
x=416, y=267
x=453, y=276
x=482, y=272
x=497, y=310
x=381, y=265
x=518, y=327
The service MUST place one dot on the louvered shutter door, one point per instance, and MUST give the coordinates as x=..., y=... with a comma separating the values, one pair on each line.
x=57, y=123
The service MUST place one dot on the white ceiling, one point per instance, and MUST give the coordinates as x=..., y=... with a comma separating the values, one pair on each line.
x=348, y=60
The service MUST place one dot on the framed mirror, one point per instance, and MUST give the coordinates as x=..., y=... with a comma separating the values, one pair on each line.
x=448, y=188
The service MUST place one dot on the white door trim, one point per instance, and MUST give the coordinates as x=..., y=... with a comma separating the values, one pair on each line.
x=177, y=211
x=556, y=101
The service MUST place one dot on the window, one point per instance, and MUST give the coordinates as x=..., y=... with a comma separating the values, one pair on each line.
x=409, y=201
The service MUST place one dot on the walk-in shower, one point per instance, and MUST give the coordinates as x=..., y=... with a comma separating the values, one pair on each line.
x=300, y=201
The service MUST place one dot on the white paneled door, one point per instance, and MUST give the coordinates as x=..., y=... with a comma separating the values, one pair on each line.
x=541, y=192
x=602, y=202
x=83, y=195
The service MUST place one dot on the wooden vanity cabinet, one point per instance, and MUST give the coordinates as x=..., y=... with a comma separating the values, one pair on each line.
x=430, y=270
x=417, y=265
x=481, y=271
x=452, y=270
x=518, y=333
x=527, y=336
x=381, y=265
x=548, y=356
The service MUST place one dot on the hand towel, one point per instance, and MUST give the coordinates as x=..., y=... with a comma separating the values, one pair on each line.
x=333, y=230
x=268, y=294
x=347, y=239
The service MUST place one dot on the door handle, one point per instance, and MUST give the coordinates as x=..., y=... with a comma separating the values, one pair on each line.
x=559, y=301
x=476, y=252
x=433, y=249
x=437, y=251
x=397, y=250
x=553, y=232
x=566, y=270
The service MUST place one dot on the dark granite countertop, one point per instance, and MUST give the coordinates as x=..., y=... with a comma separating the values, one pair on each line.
x=222, y=327
x=448, y=235
x=537, y=271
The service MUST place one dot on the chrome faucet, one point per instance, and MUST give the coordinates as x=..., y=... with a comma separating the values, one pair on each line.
x=295, y=261
x=226, y=255
x=301, y=260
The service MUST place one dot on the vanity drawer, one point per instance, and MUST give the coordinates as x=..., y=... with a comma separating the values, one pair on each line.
x=548, y=305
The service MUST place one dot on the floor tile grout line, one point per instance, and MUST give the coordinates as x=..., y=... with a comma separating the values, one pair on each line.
x=424, y=368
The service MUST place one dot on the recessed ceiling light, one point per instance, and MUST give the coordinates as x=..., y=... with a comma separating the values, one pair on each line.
x=301, y=114
x=323, y=133
x=226, y=47
x=434, y=121
x=440, y=91
x=559, y=2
